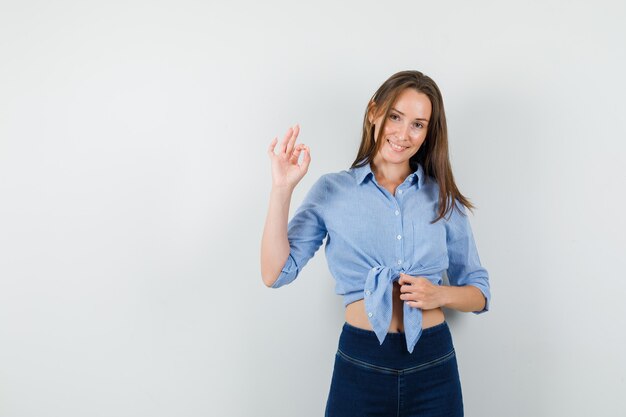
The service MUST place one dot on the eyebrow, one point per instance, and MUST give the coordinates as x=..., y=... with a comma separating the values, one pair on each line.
x=417, y=118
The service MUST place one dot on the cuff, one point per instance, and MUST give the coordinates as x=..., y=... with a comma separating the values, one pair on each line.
x=288, y=273
x=486, y=293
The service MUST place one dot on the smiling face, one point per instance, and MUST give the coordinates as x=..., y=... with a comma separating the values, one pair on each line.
x=405, y=127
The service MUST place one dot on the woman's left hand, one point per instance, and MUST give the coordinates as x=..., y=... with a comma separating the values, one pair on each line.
x=420, y=292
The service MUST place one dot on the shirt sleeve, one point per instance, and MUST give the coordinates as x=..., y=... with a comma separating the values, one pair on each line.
x=464, y=263
x=306, y=231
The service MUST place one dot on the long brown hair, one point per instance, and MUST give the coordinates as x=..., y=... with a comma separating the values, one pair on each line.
x=433, y=153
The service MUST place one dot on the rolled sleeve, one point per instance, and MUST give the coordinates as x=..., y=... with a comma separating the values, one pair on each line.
x=287, y=274
x=306, y=232
x=465, y=267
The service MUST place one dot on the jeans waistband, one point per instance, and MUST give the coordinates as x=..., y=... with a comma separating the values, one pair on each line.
x=362, y=344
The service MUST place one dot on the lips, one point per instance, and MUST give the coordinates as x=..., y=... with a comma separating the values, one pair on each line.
x=395, y=147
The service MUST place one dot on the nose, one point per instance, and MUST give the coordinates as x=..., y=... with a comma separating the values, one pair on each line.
x=403, y=132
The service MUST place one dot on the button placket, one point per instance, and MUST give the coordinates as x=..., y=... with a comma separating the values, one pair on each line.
x=399, y=248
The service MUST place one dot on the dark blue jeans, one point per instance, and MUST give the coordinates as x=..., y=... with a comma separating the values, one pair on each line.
x=370, y=379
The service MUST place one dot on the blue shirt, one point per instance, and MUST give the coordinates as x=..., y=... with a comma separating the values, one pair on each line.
x=372, y=236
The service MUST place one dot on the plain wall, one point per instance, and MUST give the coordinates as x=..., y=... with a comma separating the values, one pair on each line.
x=134, y=185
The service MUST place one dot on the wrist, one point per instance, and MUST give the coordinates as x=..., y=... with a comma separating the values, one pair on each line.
x=281, y=191
x=445, y=296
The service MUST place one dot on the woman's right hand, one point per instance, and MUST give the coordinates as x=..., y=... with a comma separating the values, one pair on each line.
x=286, y=173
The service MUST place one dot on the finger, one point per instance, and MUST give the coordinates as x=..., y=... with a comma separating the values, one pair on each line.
x=283, y=144
x=292, y=140
x=306, y=159
x=407, y=280
x=295, y=155
x=270, y=149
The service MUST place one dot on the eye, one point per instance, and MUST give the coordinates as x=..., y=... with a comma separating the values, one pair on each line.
x=419, y=125
x=392, y=115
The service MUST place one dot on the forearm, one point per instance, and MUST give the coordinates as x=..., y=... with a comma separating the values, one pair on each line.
x=464, y=298
x=274, y=243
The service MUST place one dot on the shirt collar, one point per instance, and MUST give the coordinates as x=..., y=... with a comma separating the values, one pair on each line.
x=416, y=177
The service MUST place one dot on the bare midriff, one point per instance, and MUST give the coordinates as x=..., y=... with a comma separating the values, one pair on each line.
x=357, y=317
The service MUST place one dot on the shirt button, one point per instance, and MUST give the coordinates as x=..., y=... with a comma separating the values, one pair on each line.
x=373, y=268
x=400, y=191
x=399, y=261
x=397, y=212
x=399, y=237
x=369, y=314
x=367, y=292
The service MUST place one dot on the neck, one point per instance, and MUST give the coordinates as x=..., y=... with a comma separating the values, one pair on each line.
x=395, y=173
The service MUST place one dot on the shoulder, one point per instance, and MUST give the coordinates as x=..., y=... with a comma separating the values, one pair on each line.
x=456, y=212
x=430, y=188
x=337, y=179
x=333, y=185
x=325, y=183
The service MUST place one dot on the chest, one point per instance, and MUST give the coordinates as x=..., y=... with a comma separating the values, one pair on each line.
x=386, y=220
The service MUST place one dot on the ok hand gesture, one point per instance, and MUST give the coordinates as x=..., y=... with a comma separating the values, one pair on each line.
x=286, y=173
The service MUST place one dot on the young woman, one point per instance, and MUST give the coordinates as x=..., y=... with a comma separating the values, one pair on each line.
x=393, y=222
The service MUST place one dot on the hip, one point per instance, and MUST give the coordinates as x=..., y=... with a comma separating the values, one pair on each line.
x=385, y=379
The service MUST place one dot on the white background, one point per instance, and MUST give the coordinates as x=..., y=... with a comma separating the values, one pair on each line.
x=134, y=184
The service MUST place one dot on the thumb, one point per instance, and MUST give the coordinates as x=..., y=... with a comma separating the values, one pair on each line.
x=306, y=159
